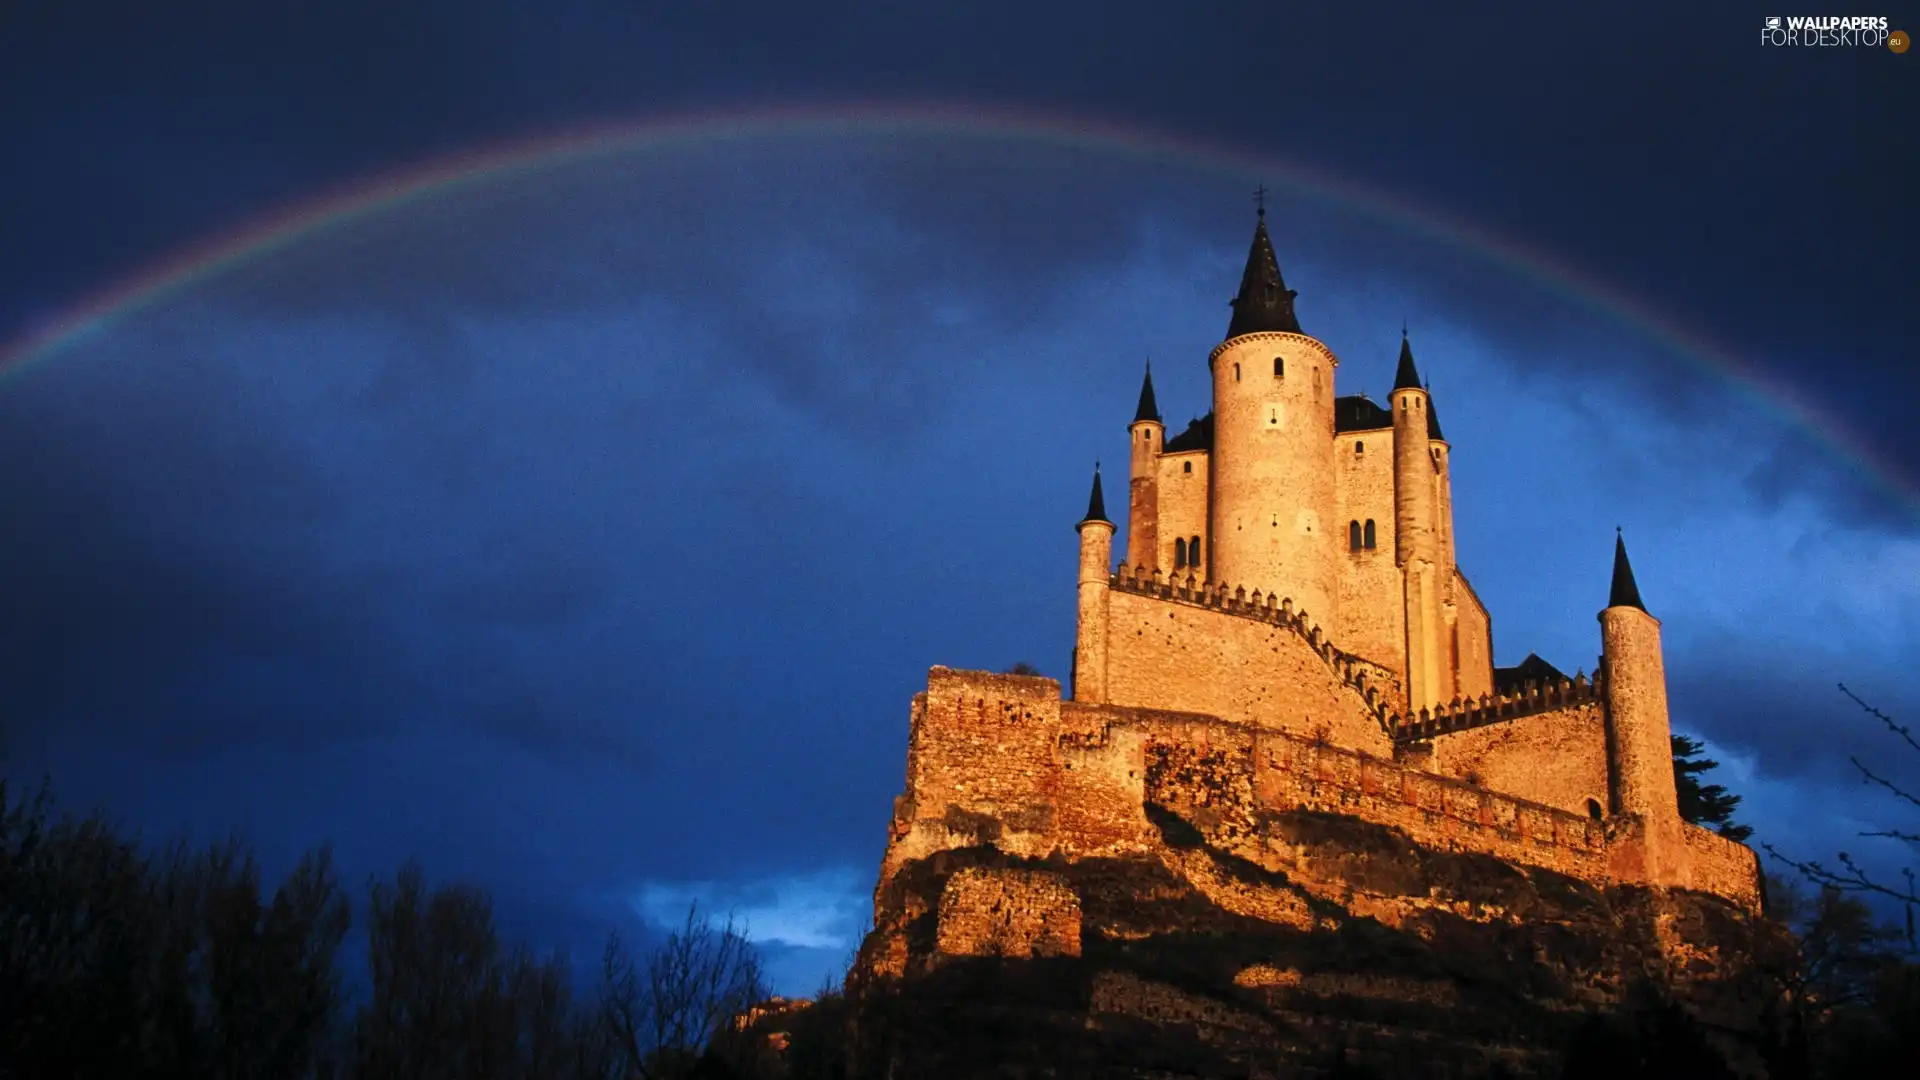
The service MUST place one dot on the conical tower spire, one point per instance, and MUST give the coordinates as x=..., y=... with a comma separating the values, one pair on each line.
x=1149, y=408
x=1097, y=502
x=1433, y=417
x=1407, y=377
x=1625, y=593
x=1265, y=304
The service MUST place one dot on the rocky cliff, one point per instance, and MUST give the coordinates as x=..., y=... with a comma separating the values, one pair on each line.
x=1293, y=944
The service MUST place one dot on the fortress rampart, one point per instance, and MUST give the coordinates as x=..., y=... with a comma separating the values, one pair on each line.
x=1376, y=690
x=1001, y=761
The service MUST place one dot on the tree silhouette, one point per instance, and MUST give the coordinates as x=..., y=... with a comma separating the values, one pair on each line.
x=1701, y=803
x=664, y=1011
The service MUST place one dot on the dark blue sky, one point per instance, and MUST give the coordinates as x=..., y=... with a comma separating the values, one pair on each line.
x=587, y=531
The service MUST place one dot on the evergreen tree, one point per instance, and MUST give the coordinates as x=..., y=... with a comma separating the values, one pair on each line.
x=1701, y=803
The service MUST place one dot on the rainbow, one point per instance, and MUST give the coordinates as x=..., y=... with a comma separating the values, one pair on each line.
x=201, y=262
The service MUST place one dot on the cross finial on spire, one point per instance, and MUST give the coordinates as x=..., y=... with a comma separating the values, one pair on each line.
x=1260, y=200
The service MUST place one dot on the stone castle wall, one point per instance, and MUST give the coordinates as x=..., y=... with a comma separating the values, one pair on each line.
x=1212, y=772
x=1188, y=657
x=1725, y=867
x=1557, y=757
x=1000, y=761
x=1007, y=913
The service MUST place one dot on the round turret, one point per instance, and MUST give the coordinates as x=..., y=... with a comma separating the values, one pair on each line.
x=1096, y=564
x=1639, y=733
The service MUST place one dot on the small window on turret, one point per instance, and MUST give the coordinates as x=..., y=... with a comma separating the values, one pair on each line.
x=1279, y=367
x=1236, y=373
x=1367, y=538
x=1353, y=536
x=1193, y=553
x=1593, y=809
x=1189, y=466
x=1359, y=446
x=1179, y=554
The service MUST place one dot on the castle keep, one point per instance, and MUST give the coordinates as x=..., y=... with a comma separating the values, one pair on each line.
x=1284, y=710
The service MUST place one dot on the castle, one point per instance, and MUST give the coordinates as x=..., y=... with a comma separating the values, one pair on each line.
x=1284, y=729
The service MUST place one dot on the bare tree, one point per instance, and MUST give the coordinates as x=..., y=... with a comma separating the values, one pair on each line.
x=1851, y=877
x=665, y=1010
x=449, y=1000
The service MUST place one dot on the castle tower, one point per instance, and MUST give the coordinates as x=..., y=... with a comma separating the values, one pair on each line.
x=1417, y=536
x=1096, y=561
x=1143, y=496
x=1639, y=747
x=1454, y=681
x=1442, y=480
x=1271, y=520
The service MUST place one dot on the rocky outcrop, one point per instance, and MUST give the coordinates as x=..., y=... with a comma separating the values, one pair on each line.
x=1279, y=944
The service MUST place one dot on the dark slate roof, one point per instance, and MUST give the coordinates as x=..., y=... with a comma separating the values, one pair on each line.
x=1264, y=304
x=1532, y=669
x=1097, y=502
x=1406, y=378
x=1433, y=418
x=1198, y=436
x=1356, y=413
x=1624, y=593
x=1149, y=409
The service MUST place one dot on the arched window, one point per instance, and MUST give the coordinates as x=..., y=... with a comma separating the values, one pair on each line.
x=1279, y=367
x=1189, y=466
x=1236, y=373
x=1593, y=809
x=1353, y=536
x=1367, y=535
x=1193, y=553
x=1179, y=553
x=1359, y=446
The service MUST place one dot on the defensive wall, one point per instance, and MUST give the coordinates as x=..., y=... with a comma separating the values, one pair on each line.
x=1193, y=646
x=1001, y=760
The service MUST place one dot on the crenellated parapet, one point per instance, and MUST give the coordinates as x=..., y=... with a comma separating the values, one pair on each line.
x=1364, y=677
x=1530, y=699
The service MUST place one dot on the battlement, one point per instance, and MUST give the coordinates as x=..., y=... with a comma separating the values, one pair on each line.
x=1533, y=698
x=1357, y=673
